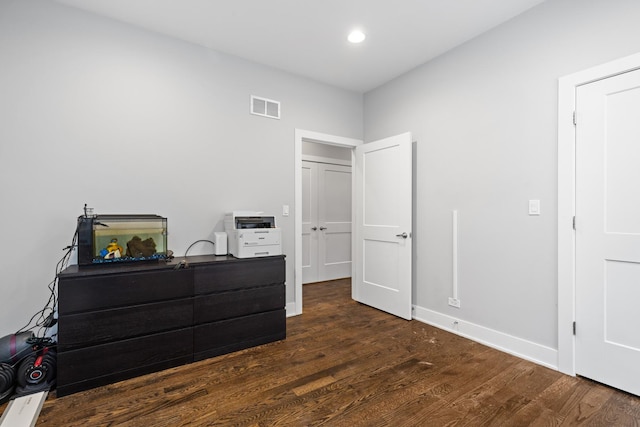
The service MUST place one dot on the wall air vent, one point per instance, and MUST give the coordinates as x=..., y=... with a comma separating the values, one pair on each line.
x=265, y=107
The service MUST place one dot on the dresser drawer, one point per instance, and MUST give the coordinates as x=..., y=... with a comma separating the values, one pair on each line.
x=213, y=339
x=95, y=292
x=106, y=363
x=99, y=327
x=239, y=274
x=225, y=305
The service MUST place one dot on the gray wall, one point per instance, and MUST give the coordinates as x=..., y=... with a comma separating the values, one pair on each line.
x=94, y=111
x=326, y=151
x=485, y=120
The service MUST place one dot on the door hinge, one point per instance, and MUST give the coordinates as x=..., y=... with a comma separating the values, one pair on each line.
x=574, y=328
x=574, y=222
x=575, y=119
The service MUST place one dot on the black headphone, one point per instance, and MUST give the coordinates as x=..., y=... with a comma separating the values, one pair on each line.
x=7, y=381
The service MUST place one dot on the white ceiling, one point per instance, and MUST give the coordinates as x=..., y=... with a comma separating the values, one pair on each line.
x=308, y=37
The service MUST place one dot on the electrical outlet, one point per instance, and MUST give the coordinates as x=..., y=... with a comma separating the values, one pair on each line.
x=454, y=302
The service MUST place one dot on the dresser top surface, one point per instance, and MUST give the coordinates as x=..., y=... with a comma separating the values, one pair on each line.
x=174, y=263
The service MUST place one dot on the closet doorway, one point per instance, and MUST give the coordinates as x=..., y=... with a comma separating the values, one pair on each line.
x=326, y=212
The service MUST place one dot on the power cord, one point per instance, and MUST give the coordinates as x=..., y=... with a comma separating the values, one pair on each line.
x=45, y=318
x=197, y=241
x=184, y=263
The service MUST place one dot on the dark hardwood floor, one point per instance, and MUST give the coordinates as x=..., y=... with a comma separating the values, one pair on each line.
x=346, y=364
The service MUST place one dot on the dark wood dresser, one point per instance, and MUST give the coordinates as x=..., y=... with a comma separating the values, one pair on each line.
x=118, y=322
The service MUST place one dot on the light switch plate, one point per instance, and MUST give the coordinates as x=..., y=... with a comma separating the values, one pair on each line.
x=534, y=207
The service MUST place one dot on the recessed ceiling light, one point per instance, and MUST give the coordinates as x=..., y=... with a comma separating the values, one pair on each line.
x=356, y=36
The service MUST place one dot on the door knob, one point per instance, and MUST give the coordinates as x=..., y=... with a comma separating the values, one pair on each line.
x=403, y=235
x=314, y=228
x=323, y=228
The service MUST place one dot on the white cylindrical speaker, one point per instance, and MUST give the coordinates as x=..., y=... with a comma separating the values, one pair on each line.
x=220, y=243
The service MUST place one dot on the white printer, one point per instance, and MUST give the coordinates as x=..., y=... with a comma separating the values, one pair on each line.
x=252, y=234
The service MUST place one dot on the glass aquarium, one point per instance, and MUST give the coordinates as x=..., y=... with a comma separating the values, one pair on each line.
x=106, y=239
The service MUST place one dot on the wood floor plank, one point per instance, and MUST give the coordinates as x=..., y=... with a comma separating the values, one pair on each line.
x=347, y=364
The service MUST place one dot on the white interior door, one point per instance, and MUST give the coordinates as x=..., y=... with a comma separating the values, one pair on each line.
x=334, y=221
x=383, y=188
x=608, y=231
x=326, y=221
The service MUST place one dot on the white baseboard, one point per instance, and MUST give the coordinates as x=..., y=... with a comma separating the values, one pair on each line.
x=291, y=309
x=524, y=349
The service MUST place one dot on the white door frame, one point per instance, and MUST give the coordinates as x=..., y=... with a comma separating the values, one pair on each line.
x=566, y=199
x=320, y=138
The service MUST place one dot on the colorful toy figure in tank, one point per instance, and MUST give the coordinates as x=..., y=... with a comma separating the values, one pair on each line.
x=113, y=250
